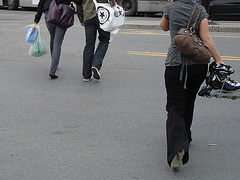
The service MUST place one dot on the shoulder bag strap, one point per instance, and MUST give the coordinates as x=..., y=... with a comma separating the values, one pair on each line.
x=190, y=19
x=199, y=10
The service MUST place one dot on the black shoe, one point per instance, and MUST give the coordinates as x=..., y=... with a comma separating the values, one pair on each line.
x=53, y=76
x=96, y=73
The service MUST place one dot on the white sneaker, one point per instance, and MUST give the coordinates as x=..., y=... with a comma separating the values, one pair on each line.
x=87, y=80
x=177, y=163
x=96, y=73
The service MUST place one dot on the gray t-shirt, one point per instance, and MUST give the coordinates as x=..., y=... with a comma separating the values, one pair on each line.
x=177, y=13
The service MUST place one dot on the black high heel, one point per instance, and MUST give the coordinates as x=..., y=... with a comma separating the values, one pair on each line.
x=53, y=76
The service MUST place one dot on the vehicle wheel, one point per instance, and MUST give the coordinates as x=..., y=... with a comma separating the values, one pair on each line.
x=13, y=4
x=129, y=6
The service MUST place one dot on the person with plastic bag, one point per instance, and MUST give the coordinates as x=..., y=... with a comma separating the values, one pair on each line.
x=92, y=61
x=56, y=33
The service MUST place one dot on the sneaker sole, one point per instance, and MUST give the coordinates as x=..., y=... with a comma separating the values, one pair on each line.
x=87, y=80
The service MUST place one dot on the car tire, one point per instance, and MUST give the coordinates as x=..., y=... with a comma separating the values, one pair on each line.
x=13, y=4
x=129, y=6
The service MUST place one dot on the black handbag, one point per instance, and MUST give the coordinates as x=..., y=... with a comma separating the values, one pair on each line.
x=61, y=14
x=189, y=44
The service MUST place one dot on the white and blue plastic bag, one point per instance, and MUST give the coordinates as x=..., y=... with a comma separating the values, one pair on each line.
x=32, y=34
x=39, y=48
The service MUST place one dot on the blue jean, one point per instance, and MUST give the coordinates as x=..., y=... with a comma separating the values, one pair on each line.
x=56, y=38
x=91, y=58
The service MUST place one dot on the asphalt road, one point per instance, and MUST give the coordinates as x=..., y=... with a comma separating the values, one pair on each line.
x=108, y=130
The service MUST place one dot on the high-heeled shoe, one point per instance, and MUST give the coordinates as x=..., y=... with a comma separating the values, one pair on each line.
x=53, y=76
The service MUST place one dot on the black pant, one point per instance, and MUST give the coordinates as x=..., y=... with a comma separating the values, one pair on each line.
x=180, y=106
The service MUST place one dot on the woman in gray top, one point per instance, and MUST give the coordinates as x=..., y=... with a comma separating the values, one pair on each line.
x=183, y=78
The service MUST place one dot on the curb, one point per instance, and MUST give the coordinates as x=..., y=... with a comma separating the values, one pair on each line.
x=223, y=28
x=212, y=28
x=138, y=26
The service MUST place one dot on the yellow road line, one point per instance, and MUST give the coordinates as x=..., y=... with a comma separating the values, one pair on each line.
x=144, y=33
x=226, y=36
x=230, y=58
x=145, y=53
x=141, y=53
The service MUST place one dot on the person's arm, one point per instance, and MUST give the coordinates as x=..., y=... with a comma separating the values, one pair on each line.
x=164, y=24
x=80, y=13
x=208, y=42
x=39, y=11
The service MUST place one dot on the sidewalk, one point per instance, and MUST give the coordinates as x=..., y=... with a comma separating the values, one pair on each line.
x=153, y=23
